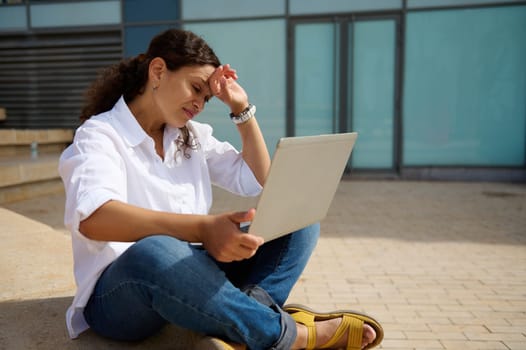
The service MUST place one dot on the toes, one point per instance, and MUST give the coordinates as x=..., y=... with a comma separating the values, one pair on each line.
x=369, y=335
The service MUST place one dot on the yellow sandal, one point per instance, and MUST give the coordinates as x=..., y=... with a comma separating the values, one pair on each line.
x=351, y=321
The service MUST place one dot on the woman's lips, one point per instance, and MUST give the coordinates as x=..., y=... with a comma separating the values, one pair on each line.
x=189, y=113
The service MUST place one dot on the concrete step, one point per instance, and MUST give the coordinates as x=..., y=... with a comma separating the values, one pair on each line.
x=18, y=170
x=37, y=287
x=29, y=162
x=15, y=142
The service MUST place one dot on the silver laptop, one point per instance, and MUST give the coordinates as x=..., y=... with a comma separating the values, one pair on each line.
x=303, y=178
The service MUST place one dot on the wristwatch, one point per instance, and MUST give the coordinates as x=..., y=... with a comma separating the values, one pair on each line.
x=244, y=116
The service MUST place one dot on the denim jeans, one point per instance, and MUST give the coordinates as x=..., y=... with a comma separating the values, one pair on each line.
x=162, y=280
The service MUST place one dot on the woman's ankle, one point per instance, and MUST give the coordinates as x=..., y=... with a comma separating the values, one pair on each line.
x=302, y=334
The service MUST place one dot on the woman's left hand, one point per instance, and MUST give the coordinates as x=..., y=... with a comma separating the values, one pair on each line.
x=223, y=84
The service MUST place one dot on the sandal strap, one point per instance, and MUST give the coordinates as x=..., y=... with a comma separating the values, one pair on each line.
x=308, y=321
x=354, y=339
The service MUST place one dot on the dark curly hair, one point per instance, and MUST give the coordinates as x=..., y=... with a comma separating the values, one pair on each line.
x=128, y=78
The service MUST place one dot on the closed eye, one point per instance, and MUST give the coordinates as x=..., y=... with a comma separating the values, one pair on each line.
x=198, y=90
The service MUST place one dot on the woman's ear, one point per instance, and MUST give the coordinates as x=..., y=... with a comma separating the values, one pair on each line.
x=156, y=69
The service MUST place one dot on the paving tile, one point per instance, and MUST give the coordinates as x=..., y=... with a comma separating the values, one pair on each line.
x=515, y=345
x=505, y=336
x=473, y=345
x=411, y=344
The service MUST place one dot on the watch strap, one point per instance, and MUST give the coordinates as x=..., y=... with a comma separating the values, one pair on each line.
x=245, y=115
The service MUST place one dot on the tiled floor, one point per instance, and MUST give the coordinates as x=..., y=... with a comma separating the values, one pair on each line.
x=440, y=265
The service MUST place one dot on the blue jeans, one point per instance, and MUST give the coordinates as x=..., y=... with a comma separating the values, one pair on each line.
x=162, y=280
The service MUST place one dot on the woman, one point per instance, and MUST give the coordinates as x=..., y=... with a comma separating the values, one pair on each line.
x=138, y=190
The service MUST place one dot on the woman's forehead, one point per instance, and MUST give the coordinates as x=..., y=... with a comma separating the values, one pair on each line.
x=200, y=72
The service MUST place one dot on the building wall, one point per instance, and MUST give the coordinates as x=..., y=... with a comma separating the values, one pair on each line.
x=435, y=88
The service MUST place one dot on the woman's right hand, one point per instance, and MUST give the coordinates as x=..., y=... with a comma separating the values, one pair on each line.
x=223, y=84
x=223, y=239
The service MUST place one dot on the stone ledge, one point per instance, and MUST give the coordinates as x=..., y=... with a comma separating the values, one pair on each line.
x=20, y=170
x=23, y=177
x=27, y=171
x=30, y=190
x=27, y=136
x=37, y=287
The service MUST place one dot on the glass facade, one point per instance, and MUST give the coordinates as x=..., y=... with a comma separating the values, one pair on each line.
x=442, y=3
x=445, y=90
x=261, y=68
x=303, y=7
x=373, y=90
x=465, y=88
x=370, y=82
x=315, y=79
x=142, y=22
x=13, y=18
x=213, y=9
x=75, y=14
x=137, y=38
x=143, y=11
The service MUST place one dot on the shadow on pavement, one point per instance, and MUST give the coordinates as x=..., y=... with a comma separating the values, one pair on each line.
x=39, y=324
x=429, y=212
x=404, y=210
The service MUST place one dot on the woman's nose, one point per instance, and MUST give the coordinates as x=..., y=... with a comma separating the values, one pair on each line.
x=197, y=106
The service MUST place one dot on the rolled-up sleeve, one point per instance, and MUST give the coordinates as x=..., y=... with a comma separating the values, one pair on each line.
x=93, y=174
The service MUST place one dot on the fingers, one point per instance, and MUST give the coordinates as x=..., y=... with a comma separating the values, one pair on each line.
x=219, y=79
x=227, y=71
x=243, y=216
x=250, y=241
x=239, y=251
x=244, y=245
x=242, y=252
x=214, y=84
x=224, y=240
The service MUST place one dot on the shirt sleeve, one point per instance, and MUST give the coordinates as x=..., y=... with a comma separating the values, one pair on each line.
x=226, y=166
x=93, y=174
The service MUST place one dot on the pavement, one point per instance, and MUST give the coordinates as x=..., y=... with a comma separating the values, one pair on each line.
x=442, y=265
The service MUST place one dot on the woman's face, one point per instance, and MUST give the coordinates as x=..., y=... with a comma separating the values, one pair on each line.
x=182, y=94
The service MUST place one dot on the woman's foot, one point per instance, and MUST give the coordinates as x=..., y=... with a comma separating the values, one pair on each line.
x=326, y=329
x=333, y=330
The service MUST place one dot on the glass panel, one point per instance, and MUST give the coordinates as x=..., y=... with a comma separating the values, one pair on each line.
x=314, y=82
x=143, y=11
x=13, y=17
x=209, y=9
x=75, y=13
x=465, y=87
x=373, y=89
x=435, y=3
x=298, y=7
x=137, y=38
x=261, y=68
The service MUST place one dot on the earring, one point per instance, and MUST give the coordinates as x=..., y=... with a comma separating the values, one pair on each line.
x=155, y=88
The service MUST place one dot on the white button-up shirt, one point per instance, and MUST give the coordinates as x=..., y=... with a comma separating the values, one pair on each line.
x=112, y=158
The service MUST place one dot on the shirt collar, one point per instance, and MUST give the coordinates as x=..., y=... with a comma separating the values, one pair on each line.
x=127, y=126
